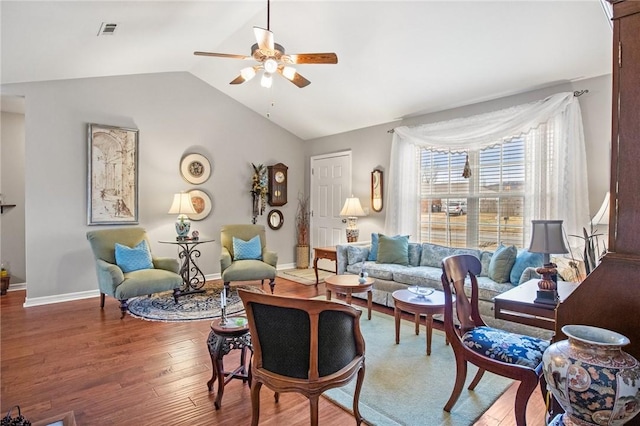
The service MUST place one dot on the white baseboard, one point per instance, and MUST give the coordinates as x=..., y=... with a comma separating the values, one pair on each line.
x=59, y=298
x=67, y=297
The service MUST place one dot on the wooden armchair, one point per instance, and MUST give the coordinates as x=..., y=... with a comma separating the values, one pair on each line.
x=305, y=346
x=512, y=355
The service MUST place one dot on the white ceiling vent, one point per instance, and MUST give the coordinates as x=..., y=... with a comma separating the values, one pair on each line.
x=107, y=29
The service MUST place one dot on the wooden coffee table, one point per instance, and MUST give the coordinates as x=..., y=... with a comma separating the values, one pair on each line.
x=429, y=305
x=348, y=284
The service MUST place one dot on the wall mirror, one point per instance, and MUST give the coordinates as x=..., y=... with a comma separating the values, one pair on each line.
x=275, y=219
x=376, y=190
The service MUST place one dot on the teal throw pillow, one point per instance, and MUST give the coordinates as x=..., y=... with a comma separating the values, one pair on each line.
x=247, y=250
x=524, y=260
x=356, y=254
x=133, y=259
x=501, y=263
x=373, y=251
x=393, y=249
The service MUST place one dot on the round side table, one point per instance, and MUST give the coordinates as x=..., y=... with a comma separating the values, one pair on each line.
x=429, y=305
x=222, y=339
x=349, y=284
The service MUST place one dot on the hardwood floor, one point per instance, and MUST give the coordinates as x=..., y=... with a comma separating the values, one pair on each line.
x=73, y=356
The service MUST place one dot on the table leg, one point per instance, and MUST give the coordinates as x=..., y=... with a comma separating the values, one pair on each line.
x=396, y=314
x=220, y=372
x=369, y=303
x=429, y=332
x=417, y=321
x=315, y=268
x=328, y=294
x=348, y=297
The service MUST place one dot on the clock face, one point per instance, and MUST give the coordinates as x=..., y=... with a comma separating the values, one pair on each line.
x=279, y=177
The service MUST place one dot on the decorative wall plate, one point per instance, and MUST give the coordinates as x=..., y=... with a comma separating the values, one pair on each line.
x=195, y=168
x=201, y=203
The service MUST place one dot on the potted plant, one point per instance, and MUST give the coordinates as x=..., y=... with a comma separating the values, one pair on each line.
x=302, y=232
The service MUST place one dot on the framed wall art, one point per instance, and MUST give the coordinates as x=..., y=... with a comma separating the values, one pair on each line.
x=195, y=168
x=112, y=175
x=201, y=204
x=376, y=190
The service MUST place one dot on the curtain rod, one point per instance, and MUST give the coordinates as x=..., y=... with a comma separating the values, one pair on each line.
x=576, y=93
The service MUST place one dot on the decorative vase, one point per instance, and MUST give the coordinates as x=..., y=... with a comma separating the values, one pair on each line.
x=302, y=257
x=592, y=378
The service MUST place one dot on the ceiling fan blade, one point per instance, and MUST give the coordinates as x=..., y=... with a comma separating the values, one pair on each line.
x=222, y=55
x=313, y=58
x=264, y=38
x=297, y=79
x=238, y=80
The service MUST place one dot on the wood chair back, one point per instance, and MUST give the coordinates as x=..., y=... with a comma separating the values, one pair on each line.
x=303, y=345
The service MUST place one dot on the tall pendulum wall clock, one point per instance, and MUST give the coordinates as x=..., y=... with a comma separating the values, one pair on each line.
x=277, y=184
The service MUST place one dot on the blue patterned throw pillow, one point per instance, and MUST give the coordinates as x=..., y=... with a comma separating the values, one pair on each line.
x=133, y=259
x=247, y=250
x=501, y=263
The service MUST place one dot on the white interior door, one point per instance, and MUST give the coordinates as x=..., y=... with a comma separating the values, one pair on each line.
x=330, y=187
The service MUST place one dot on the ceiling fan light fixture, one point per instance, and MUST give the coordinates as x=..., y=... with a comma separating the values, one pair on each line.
x=266, y=80
x=270, y=65
x=247, y=73
x=289, y=72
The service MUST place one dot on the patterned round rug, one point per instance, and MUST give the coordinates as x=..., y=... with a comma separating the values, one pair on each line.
x=190, y=307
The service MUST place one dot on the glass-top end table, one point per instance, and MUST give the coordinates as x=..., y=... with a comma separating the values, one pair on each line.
x=192, y=276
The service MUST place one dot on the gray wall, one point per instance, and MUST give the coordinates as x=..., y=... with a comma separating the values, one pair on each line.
x=12, y=242
x=176, y=113
x=371, y=146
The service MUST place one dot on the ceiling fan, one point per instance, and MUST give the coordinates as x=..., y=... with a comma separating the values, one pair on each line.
x=271, y=58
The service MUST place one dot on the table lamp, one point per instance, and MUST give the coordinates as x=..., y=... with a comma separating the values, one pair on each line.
x=352, y=209
x=547, y=238
x=182, y=206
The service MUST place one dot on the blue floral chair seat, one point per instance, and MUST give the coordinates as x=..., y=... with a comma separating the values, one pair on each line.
x=505, y=346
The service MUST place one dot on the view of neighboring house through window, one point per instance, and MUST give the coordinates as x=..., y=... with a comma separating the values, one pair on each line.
x=480, y=211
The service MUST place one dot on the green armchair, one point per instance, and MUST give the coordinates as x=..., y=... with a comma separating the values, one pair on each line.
x=114, y=282
x=248, y=269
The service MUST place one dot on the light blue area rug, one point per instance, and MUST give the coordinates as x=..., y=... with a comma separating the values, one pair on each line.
x=404, y=386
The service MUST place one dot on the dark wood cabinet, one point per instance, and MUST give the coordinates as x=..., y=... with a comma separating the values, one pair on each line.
x=610, y=296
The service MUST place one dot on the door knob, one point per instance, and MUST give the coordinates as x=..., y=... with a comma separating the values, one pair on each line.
x=344, y=220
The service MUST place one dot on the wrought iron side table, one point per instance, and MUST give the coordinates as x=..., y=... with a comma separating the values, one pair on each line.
x=192, y=276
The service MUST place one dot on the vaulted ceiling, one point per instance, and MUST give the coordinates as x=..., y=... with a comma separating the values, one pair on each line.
x=395, y=59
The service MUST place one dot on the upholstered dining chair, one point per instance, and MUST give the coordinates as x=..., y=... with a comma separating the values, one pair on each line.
x=244, y=255
x=305, y=346
x=507, y=354
x=133, y=271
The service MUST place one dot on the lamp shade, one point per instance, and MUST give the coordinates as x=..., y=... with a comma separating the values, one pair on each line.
x=182, y=204
x=352, y=208
x=547, y=237
x=602, y=216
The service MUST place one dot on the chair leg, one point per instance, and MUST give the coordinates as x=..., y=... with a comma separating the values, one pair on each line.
x=176, y=294
x=356, y=396
x=476, y=379
x=255, y=402
x=276, y=396
x=101, y=300
x=461, y=376
x=272, y=284
x=526, y=388
x=313, y=406
x=124, y=307
x=227, y=288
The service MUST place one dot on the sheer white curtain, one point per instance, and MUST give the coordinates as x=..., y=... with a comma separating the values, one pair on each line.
x=557, y=174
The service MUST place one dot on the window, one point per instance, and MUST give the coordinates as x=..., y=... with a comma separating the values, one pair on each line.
x=481, y=211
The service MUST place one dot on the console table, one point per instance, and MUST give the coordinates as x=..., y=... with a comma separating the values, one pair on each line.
x=192, y=276
x=518, y=304
x=324, y=253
